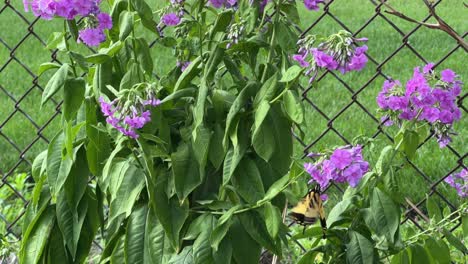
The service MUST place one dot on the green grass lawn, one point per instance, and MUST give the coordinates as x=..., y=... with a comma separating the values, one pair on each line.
x=330, y=95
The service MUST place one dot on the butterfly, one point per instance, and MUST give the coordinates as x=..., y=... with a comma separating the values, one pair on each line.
x=309, y=209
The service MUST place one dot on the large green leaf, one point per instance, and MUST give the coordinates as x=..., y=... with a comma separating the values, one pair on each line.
x=239, y=139
x=122, y=204
x=55, y=83
x=134, y=246
x=184, y=257
x=359, y=249
x=419, y=255
x=201, y=146
x=263, y=139
x=186, y=171
x=268, y=90
x=222, y=227
x=255, y=226
x=245, y=250
x=236, y=107
x=281, y=159
x=202, y=252
x=273, y=219
x=248, y=182
x=293, y=107
x=157, y=246
x=216, y=152
x=188, y=75
x=73, y=97
x=383, y=216
x=34, y=242
x=438, y=250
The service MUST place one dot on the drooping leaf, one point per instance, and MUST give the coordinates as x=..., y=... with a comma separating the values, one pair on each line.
x=383, y=216
x=438, y=250
x=291, y=74
x=134, y=245
x=359, y=249
x=186, y=171
x=293, y=107
x=248, y=182
x=273, y=219
x=263, y=139
x=73, y=97
x=55, y=83
x=34, y=242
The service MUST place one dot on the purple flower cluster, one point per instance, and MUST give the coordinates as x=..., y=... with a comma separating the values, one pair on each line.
x=345, y=164
x=313, y=4
x=459, y=181
x=96, y=21
x=127, y=119
x=174, y=17
x=339, y=52
x=221, y=3
x=426, y=97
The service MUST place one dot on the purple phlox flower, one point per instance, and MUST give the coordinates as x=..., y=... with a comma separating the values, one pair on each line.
x=171, y=19
x=444, y=141
x=428, y=68
x=341, y=158
x=312, y=4
x=314, y=155
x=459, y=181
x=105, y=21
x=217, y=3
x=447, y=75
x=300, y=58
x=324, y=60
x=92, y=36
x=183, y=65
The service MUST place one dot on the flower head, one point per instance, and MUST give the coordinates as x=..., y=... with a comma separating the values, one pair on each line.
x=459, y=181
x=171, y=19
x=345, y=164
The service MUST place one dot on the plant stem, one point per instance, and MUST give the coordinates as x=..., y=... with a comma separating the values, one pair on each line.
x=273, y=39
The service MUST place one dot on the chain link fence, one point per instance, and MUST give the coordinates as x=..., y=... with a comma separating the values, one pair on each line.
x=25, y=128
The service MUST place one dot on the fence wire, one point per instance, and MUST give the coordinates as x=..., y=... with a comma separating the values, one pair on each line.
x=16, y=180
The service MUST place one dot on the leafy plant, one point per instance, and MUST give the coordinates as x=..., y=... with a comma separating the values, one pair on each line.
x=196, y=166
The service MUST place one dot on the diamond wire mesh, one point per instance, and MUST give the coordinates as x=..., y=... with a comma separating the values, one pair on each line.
x=414, y=212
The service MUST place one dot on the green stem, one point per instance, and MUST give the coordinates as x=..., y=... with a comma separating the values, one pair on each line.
x=273, y=39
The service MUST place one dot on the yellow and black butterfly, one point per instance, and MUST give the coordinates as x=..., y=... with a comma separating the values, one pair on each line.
x=309, y=209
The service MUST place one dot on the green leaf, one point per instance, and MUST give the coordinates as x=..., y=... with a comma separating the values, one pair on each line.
x=187, y=92
x=308, y=257
x=222, y=227
x=145, y=13
x=255, y=226
x=281, y=127
x=438, y=250
x=236, y=107
x=216, y=152
x=184, y=257
x=102, y=77
x=134, y=245
x=383, y=216
x=201, y=146
x=56, y=252
x=47, y=66
x=273, y=219
x=131, y=77
x=291, y=74
x=454, y=241
x=188, y=75
x=74, y=91
x=383, y=163
x=245, y=249
x=56, y=41
x=465, y=226
x=202, y=252
x=275, y=188
x=293, y=107
x=263, y=139
x=126, y=24
x=410, y=143
x=336, y=213
x=268, y=90
x=157, y=245
x=186, y=171
x=122, y=204
x=144, y=55
x=419, y=255
x=235, y=153
x=248, y=182
x=55, y=83
x=97, y=58
x=170, y=212
x=58, y=167
x=359, y=249
x=402, y=258
x=34, y=242
x=433, y=209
